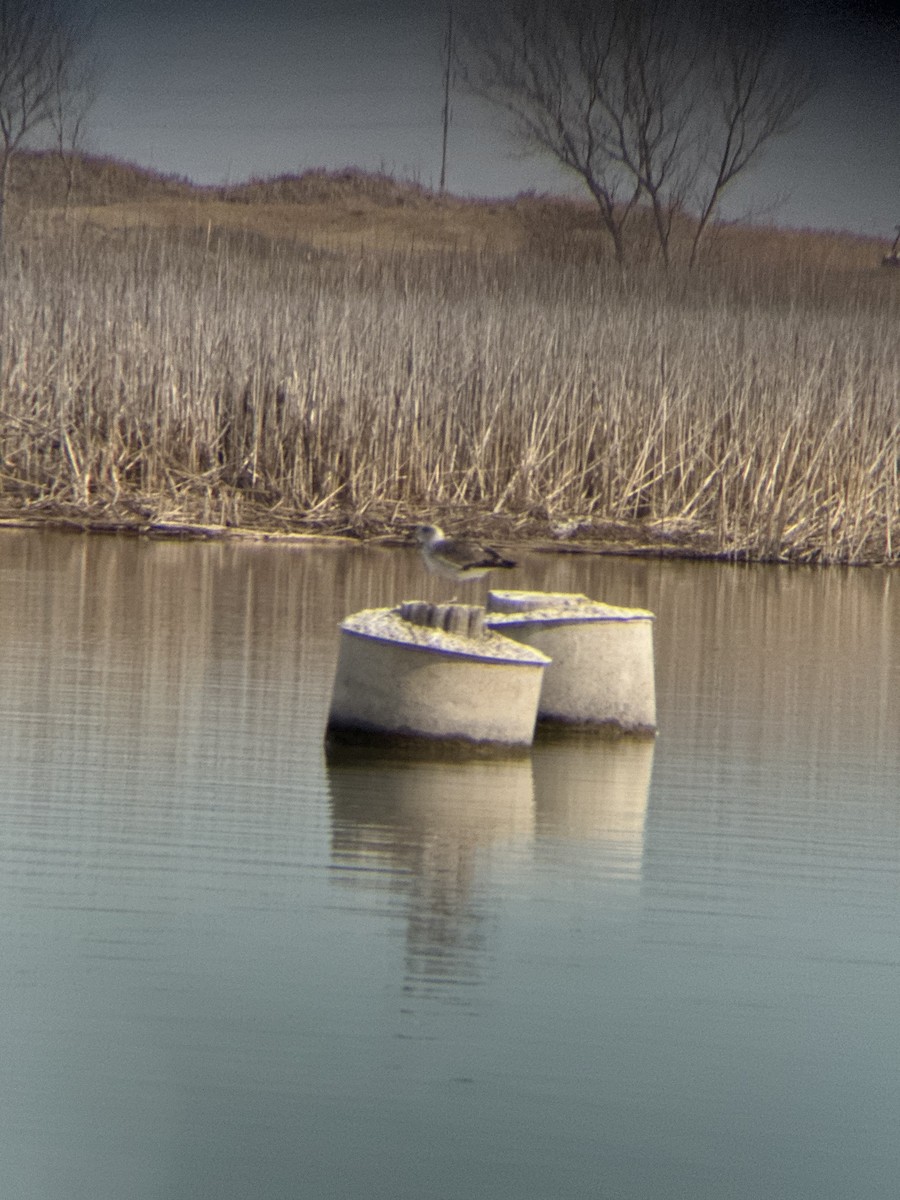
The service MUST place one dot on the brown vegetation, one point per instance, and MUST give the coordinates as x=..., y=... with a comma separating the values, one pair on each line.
x=346, y=352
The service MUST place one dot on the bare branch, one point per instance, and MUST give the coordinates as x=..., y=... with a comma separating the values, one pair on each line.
x=756, y=94
x=546, y=65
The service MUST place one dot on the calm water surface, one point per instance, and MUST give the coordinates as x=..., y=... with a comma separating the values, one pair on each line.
x=231, y=969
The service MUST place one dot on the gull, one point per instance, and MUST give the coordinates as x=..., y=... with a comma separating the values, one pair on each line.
x=456, y=558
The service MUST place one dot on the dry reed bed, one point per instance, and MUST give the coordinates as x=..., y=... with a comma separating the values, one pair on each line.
x=176, y=371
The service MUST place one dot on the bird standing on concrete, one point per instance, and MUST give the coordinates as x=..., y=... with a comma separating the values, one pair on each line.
x=456, y=558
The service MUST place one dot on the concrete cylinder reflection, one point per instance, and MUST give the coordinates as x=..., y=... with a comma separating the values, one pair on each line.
x=425, y=831
x=594, y=789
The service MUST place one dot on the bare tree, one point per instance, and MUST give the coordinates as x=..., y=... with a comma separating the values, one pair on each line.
x=40, y=47
x=663, y=102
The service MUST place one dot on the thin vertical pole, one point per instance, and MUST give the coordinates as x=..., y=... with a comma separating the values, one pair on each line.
x=448, y=63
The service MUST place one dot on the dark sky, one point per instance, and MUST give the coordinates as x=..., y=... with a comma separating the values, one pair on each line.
x=222, y=91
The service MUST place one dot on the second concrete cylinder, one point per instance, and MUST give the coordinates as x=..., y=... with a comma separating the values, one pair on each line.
x=601, y=673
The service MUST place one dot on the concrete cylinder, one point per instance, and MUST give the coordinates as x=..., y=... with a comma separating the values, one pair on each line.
x=400, y=678
x=601, y=674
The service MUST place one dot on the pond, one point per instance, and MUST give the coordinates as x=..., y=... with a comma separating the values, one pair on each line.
x=232, y=968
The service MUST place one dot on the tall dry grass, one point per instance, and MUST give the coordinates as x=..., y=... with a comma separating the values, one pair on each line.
x=200, y=372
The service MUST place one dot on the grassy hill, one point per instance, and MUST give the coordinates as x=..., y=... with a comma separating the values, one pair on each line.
x=349, y=209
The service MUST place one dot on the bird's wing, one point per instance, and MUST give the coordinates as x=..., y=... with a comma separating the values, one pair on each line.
x=495, y=559
x=460, y=553
x=464, y=554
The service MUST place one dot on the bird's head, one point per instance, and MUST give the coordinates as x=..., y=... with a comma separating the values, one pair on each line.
x=424, y=534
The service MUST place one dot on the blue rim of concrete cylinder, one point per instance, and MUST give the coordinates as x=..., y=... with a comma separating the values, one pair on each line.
x=570, y=608
x=538, y=616
x=533, y=659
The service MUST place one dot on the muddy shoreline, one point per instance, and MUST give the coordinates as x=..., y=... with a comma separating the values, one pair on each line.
x=652, y=539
